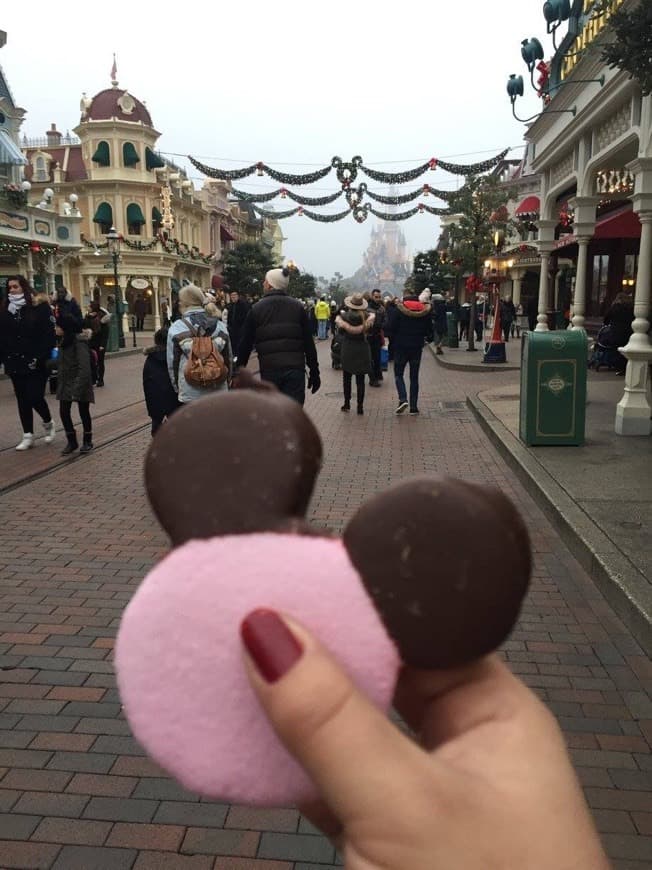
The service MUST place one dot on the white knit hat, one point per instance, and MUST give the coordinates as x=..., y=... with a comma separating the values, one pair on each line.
x=278, y=278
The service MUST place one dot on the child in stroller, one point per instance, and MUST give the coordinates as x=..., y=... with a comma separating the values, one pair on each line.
x=604, y=351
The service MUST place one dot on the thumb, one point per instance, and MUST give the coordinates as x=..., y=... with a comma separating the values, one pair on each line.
x=353, y=754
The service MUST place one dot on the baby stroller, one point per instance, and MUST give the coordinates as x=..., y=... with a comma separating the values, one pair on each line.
x=604, y=351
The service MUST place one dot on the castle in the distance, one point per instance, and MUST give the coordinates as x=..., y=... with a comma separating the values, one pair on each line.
x=386, y=262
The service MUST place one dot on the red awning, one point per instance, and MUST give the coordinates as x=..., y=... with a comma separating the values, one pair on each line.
x=622, y=223
x=530, y=205
x=217, y=282
x=225, y=235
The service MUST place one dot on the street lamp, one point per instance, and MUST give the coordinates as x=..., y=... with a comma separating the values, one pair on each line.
x=113, y=240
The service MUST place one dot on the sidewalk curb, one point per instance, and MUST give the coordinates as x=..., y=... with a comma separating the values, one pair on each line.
x=461, y=367
x=618, y=580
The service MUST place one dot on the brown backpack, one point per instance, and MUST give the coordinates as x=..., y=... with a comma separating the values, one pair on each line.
x=205, y=367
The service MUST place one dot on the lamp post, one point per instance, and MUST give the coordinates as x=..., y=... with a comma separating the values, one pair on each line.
x=113, y=239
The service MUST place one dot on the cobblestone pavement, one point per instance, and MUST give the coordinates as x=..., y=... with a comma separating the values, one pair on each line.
x=76, y=790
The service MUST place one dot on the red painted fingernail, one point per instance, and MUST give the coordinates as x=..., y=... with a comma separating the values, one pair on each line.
x=270, y=643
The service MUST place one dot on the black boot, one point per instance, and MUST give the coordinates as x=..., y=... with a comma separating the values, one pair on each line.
x=87, y=446
x=72, y=444
x=346, y=406
x=360, y=408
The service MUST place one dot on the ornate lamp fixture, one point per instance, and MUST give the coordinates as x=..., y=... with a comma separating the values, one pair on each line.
x=515, y=89
x=555, y=12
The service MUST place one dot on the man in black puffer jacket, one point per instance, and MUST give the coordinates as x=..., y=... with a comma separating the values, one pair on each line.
x=279, y=328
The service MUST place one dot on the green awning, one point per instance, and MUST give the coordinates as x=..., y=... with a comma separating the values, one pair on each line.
x=10, y=153
x=134, y=214
x=152, y=160
x=104, y=214
x=129, y=154
x=157, y=217
x=102, y=154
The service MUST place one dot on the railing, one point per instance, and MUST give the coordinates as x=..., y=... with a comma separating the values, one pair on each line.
x=45, y=142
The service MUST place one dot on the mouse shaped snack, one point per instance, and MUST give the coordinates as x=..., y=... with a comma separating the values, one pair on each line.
x=429, y=573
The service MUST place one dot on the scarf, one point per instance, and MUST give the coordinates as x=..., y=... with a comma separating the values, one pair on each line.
x=16, y=302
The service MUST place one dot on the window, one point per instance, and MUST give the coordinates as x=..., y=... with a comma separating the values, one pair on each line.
x=135, y=219
x=129, y=154
x=157, y=220
x=152, y=160
x=40, y=169
x=102, y=154
x=104, y=217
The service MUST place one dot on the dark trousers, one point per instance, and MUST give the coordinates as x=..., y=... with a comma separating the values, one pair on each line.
x=30, y=397
x=413, y=359
x=507, y=328
x=140, y=322
x=464, y=330
x=291, y=382
x=375, y=345
x=347, y=379
x=100, y=364
x=66, y=416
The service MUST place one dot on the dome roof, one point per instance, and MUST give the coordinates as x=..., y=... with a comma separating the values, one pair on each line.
x=115, y=103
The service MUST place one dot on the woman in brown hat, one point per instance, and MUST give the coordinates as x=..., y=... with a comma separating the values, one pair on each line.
x=353, y=325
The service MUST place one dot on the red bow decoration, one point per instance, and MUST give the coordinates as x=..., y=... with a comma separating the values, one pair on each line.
x=542, y=81
x=300, y=211
x=473, y=284
x=421, y=208
x=284, y=193
x=426, y=189
x=432, y=163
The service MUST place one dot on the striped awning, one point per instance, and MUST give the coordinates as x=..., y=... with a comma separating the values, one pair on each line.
x=10, y=153
x=530, y=205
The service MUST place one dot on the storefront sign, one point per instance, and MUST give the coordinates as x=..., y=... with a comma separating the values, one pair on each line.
x=139, y=283
x=42, y=228
x=594, y=24
x=14, y=221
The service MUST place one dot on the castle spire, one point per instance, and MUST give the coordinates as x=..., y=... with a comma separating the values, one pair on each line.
x=114, y=73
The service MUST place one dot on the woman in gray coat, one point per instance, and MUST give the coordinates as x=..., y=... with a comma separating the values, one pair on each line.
x=75, y=381
x=353, y=325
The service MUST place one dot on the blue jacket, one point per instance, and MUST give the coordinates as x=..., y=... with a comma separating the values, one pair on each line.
x=409, y=324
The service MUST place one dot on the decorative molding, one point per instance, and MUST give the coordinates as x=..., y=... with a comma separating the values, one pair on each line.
x=618, y=123
x=562, y=169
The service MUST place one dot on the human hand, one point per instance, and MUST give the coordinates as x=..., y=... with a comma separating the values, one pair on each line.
x=314, y=382
x=486, y=783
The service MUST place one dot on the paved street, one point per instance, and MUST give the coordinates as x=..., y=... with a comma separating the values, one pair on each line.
x=76, y=790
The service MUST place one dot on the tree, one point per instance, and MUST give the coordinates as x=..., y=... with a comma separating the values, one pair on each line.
x=245, y=266
x=302, y=285
x=631, y=49
x=428, y=270
x=480, y=209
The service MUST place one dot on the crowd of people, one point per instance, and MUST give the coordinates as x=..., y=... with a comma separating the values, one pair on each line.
x=45, y=339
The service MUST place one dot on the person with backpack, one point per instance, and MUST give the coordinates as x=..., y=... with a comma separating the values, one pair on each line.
x=199, y=355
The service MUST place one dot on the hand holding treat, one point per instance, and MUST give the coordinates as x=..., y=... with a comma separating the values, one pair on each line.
x=241, y=542
x=488, y=784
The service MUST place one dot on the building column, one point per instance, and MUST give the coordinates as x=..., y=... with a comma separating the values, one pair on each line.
x=517, y=283
x=579, y=299
x=29, y=271
x=546, y=245
x=88, y=294
x=50, y=275
x=633, y=411
x=157, y=306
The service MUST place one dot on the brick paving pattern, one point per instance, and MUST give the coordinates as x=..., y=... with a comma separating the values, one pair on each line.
x=76, y=790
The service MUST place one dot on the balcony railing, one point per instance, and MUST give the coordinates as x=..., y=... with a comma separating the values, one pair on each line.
x=44, y=142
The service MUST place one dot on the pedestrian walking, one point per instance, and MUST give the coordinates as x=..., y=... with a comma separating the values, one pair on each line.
x=26, y=342
x=322, y=313
x=74, y=379
x=160, y=396
x=140, y=310
x=353, y=325
x=439, y=321
x=507, y=316
x=278, y=326
x=195, y=322
x=409, y=323
x=465, y=319
x=98, y=320
x=237, y=314
x=376, y=338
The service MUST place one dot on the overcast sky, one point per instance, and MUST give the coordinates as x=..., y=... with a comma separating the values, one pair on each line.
x=292, y=84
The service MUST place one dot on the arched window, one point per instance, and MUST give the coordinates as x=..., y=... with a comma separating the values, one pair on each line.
x=102, y=154
x=40, y=169
x=129, y=154
x=104, y=217
x=135, y=219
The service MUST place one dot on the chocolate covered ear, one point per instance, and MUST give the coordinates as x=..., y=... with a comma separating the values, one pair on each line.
x=235, y=462
x=447, y=565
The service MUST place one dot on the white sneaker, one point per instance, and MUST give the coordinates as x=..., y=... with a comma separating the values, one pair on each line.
x=50, y=430
x=27, y=442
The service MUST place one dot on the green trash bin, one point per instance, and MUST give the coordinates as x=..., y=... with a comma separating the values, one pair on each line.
x=451, y=328
x=553, y=387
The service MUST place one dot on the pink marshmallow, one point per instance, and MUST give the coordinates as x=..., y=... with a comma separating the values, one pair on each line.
x=179, y=657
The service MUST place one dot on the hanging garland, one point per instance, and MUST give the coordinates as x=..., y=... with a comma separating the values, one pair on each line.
x=347, y=171
x=325, y=218
x=23, y=247
x=398, y=216
x=172, y=246
x=425, y=190
x=283, y=193
x=277, y=215
x=431, y=210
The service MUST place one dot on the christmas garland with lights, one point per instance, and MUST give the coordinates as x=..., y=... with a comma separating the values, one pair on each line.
x=283, y=193
x=432, y=210
x=325, y=218
x=347, y=171
x=23, y=247
x=172, y=246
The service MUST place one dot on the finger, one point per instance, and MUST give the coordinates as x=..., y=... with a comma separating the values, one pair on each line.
x=350, y=750
x=320, y=815
x=442, y=705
